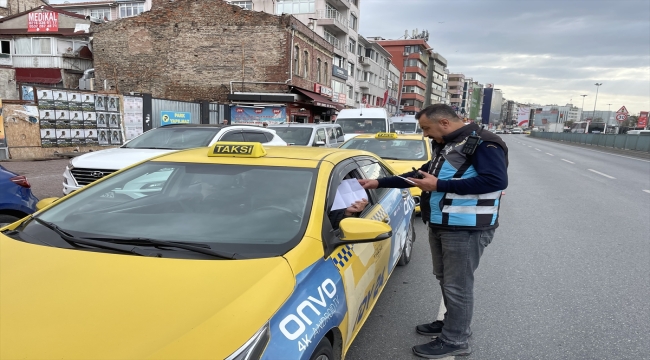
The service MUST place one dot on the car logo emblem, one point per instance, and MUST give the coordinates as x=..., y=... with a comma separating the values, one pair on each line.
x=96, y=174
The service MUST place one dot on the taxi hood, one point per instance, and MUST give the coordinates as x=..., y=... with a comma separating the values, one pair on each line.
x=115, y=159
x=59, y=303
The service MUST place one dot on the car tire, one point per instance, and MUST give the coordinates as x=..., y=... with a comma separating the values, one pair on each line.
x=7, y=219
x=324, y=351
x=408, y=246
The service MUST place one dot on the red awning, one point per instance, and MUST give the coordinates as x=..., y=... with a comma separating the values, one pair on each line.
x=38, y=76
x=320, y=100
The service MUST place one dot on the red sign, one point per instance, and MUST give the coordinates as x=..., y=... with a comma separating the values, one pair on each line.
x=240, y=110
x=323, y=90
x=621, y=117
x=277, y=111
x=259, y=111
x=44, y=21
x=643, y=119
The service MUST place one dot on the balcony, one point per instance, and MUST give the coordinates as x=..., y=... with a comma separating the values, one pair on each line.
x=364, y=61
x=340, y=47
x=439, y=69
x=456, y=83
x=332, y=21
x=341, y=3
x=364, y=85
x=52, y=62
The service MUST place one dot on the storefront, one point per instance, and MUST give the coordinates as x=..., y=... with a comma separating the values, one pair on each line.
x=315, y=106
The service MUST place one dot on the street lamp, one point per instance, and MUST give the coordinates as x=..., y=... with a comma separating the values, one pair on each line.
x=593, y=117
x=582, y=110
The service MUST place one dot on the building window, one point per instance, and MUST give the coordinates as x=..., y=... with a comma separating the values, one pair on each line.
x=295, y=6
x=350, y=91
x=101, y=14
x=296, y=60
x=351, y=70
x=305, y=65
x=352, y=45
x=246, y=5
x=353, y=22
x=33, y=46
x=131, y=9
x=360, y=50
x=318, y=70
x=5, y=47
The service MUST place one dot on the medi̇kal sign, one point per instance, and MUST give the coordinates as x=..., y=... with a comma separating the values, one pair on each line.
x=44, y=21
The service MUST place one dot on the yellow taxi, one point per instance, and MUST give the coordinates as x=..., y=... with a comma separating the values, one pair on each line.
x=402, y=152
x=228, y=252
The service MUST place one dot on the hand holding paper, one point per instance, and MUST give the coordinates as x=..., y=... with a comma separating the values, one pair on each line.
x=348, y=193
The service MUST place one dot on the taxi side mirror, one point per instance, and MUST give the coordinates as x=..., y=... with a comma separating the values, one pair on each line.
x=354, y=230
x=45, y=203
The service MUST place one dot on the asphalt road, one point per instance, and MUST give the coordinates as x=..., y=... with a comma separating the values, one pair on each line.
x=567, y=275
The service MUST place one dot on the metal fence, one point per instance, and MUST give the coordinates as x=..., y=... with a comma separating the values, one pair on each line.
x=160, y=105
x=622, y=141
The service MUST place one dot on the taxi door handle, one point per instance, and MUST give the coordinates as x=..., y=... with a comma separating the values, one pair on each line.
x=386, y=219
x=405, y=194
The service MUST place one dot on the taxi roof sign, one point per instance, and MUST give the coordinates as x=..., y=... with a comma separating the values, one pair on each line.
x=385, y=136
x=237, y=149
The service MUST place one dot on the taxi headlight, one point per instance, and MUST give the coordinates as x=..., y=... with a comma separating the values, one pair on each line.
x=253, y=348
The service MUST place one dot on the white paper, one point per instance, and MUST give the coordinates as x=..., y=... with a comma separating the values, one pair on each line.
x=348, y=193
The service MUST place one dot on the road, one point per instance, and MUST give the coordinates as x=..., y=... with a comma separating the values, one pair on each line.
x=566, y=277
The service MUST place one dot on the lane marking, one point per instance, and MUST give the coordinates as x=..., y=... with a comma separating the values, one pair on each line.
x=599, y=173
x=529, y=146
x=648, y=191
x=538, y=149
x=550, y=154
x=570, y=162
x=606, y=153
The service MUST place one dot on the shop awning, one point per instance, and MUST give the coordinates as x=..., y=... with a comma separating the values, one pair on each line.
x=38, y=76
x=320, y=100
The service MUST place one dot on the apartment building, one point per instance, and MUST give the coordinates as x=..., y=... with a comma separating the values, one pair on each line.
x=375, y=66
x=335, y=20
x=394, y=76
x=107, y=10
x=456, y=88
x=439, y=80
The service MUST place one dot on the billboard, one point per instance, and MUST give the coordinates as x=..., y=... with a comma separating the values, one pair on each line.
x=523, y=116
x=643, y=119
x=258, y=115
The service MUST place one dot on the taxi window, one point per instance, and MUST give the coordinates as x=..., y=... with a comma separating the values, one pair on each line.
x=255, y=137
x=376, y=171
x=407, y=150
x=332, y=134
x=254, y=211
x=339, y=134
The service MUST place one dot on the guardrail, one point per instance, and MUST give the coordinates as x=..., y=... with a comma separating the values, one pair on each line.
x=621, y=141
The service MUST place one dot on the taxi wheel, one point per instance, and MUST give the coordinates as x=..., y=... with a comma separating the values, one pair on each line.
x=408, y=246
x=324, y=351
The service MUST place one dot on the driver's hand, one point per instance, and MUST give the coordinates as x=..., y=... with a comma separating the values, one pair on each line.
x=368, y=183
x=356, y=207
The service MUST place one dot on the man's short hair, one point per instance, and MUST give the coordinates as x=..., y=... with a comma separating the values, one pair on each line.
x=436, y=112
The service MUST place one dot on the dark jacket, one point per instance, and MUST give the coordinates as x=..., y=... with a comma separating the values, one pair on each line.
x=469, y=187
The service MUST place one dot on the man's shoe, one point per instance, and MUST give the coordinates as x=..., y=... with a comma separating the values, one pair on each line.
x=431, y=329
x=438, y=349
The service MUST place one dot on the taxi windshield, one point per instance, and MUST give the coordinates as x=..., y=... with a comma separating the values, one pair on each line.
x=406, y=127
x=251, y=210
x=390, y=149
x=362, y=126
x=294, y=135
x=174, y=138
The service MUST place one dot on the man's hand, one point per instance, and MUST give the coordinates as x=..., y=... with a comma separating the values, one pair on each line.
x=429, y=183
x=368, y=184
x=356, y=207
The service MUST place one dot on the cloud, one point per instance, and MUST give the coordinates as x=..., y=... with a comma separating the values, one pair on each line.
x=548, y=51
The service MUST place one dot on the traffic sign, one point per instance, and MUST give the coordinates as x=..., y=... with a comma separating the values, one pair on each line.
x=621, y=117
x=622, y=110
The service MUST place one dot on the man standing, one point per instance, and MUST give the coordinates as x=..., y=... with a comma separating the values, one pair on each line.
x=461, y=188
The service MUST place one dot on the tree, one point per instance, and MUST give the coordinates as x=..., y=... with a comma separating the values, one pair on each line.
x=630, y=122
x=568, y=123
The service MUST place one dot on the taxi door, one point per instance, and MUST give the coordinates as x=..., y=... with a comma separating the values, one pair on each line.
x=364, y=268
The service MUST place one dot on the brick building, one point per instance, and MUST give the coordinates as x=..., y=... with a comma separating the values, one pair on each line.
x=11, y=7
x=209, y=50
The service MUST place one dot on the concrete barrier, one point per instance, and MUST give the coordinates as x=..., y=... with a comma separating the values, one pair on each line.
x=620, y=141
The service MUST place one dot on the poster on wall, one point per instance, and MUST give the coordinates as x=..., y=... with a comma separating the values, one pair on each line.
x=101, y=120
x=27, y=93
x=74, y=102
x=48, y=137
x=100, y=103
x=60, y=99
x=103, y=136
x=77, y=137
x=132, y=119
x=115, y=136
x=88, y=102
x=114, y=121
x=90, y=137
x=63, y=137
x=113, y=103
x=45, y=100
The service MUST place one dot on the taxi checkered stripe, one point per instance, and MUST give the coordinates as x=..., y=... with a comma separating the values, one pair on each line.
x=380, y=215
x=343, y=256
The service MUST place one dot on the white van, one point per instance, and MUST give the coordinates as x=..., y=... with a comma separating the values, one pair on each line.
x=364, y=121
x=406, y=124
x=323, y=134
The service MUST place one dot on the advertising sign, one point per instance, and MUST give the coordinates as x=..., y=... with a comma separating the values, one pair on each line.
x=323, y=90
x=44, y=21
x=523, y=115
x=173, y=117
x=339, y=72
x=643, y=120
x=257, y=116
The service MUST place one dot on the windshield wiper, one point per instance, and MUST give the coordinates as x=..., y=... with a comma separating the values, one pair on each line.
x=390, y=158
x=72, y=240
x=195, y=247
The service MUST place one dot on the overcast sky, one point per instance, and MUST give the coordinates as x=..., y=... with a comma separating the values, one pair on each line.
x=546, y=52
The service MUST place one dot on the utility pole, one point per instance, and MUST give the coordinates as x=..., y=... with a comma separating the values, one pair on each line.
x=582, y=110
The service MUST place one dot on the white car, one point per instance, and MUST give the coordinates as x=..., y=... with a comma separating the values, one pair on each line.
x=86, y=168
x=517, y=131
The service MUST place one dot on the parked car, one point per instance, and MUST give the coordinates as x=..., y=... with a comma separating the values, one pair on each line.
x=517, y=131
x=16, y=198
x=84, y=169
x=327, y=135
